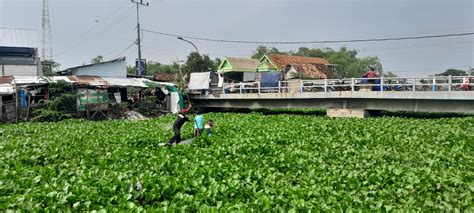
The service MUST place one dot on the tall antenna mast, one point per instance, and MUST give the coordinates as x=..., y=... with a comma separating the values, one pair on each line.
x=46, y=39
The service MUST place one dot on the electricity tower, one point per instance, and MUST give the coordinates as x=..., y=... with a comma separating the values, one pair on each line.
x=46, y=40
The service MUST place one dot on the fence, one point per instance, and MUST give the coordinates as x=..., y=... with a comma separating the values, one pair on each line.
x=382, y=84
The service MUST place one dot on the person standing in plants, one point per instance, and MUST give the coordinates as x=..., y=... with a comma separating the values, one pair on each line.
x=177, y=126
x=208, y=127
x=198, y=127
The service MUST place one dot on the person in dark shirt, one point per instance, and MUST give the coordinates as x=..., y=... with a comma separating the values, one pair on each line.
x=177, y=126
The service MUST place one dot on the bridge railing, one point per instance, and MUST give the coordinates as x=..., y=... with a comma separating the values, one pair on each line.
x=399, y=84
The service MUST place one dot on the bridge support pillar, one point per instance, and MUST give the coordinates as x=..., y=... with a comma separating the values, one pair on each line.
x=347, y=113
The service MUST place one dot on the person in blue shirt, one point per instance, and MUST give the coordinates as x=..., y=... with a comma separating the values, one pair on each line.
x=198, y=124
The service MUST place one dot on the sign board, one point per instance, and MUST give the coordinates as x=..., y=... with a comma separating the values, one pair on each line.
x=92, y=99
x=143, y=66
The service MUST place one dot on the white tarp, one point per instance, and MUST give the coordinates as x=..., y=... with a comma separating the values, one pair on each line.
x=199, y=80
x=174, y=102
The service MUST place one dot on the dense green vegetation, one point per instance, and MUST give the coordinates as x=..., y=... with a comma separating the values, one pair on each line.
x=253, y=161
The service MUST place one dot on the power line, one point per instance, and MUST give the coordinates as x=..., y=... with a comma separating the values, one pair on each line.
x=118, y=54
x=87, y=34
x=313, y=42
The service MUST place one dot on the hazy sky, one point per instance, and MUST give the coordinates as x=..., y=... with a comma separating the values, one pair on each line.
x=83, y=29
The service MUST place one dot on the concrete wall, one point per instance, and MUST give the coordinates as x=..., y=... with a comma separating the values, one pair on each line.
x=110, y=69
x=460, y=102
x=21, y=70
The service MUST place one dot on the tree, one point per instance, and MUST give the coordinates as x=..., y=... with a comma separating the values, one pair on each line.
x=97, y=59
x=153, y=68
x=262, y=50
x=51, y=68
x=389, y=74
x=453, y=72
x=199, y=63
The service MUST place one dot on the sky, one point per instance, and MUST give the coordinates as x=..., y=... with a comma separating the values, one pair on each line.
x=83, y=29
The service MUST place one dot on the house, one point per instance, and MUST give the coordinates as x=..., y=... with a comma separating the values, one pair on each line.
x=238, y=69
x=114, y=68
x=19, y=52
x=296, y=66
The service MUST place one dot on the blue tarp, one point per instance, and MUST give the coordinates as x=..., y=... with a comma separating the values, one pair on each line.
x=269, y=79
x=373, y=81
x=22, y=95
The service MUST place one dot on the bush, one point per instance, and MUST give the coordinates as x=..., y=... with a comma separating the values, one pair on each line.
x=61, y=106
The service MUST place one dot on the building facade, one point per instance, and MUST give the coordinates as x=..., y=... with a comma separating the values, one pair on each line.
x=19, y=52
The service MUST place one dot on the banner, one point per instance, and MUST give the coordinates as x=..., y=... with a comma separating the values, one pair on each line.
x=143, y=66
x=89, y=99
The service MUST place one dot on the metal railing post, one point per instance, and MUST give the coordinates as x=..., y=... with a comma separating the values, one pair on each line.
x=352, y=85
x=414, y=84
x=325, y=85
x=381, y=84
x=450, y=83
x=279, y=87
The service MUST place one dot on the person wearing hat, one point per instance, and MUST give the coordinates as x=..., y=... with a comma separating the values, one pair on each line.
x=177, y=126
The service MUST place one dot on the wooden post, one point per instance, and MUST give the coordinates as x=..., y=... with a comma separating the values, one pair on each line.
x=433, y=87
x=414, y=84
x=1, y=109
x=16, y=99
x=28, y=107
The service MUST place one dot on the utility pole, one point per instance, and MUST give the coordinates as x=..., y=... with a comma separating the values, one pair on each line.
x=139, y=2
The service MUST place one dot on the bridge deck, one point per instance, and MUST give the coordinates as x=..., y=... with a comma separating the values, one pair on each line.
x=437, y=96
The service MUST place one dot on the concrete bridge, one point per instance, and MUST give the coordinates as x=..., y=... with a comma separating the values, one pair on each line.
x=348, y=97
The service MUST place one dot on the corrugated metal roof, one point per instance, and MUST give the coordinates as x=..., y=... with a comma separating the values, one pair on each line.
x=90, y=65
x=124, y=82
x=6, y=79
x=243, y=63
x=23, y=80
x=7, y=84
x=16, y=37
x=6, y=89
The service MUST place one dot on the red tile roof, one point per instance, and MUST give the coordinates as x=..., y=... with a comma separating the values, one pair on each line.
x=281, y=61
x=310, y=67
x=313, y=71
